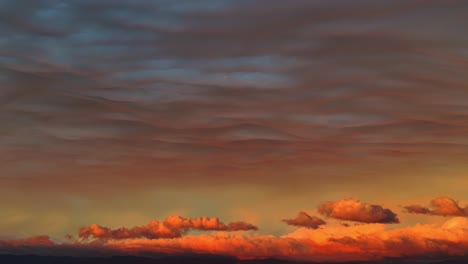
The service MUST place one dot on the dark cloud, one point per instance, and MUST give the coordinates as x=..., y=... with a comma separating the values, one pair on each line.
x=443, y=206
x=355, y=210
x=305, y=220
x=171, y=227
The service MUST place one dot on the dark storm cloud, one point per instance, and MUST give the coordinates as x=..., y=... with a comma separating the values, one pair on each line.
x=158, y=87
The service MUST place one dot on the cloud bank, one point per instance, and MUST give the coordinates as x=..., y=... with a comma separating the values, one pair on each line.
x=329, y=243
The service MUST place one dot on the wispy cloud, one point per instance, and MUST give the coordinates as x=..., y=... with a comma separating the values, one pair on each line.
x=176, y=87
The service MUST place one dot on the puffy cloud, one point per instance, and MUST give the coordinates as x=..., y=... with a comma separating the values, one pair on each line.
x=355, y=210
x=305, y=220
x=456, y=222
x=171, y=227
x=443, y=206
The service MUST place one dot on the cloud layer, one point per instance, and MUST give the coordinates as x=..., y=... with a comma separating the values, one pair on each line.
x=94, y=91
x=355, y=210
x=443, y=206
x=171, y=227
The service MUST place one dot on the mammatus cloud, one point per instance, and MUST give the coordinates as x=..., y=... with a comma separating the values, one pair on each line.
x=330, y=243
x=305, y=220
x=171, y=227
x=355, y=210
x=443, y=206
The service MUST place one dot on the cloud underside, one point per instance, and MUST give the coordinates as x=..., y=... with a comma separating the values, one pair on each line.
x=442, y=206
x=364, y=242
x=355, y=210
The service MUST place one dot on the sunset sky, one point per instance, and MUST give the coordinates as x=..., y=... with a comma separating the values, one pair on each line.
x=300, y=129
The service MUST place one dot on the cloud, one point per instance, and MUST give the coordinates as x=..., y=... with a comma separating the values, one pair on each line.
x=171, y=227
x=443, y=206
x=355, y=210
x=330, y=243
x=304, y=220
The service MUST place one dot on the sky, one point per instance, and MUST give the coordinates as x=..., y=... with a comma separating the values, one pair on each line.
x=303, y=129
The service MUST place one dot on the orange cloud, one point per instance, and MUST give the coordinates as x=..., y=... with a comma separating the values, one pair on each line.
x=171, y=227
x=443, y=206
x=355, y=210
x=330, y=243
x=338, y=243
x=304, y=220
